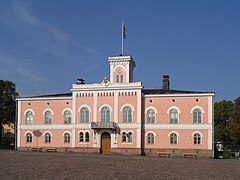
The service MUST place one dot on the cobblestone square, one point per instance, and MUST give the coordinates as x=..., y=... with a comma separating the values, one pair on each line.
x=42, y=165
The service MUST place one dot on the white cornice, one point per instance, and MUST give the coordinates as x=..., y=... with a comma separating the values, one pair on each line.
x=112, y=86
x=180, y=95
x=43, y=98
x=179, y=126
x=129, y=125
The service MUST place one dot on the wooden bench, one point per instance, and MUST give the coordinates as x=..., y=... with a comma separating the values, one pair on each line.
x=51, y=149
x=193, y=155
x=164, y=154
x=36, y=149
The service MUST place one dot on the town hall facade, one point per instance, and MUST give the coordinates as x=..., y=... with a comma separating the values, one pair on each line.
x=118, y=116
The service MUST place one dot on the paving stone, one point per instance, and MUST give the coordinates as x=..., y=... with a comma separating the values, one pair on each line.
x=42, y=165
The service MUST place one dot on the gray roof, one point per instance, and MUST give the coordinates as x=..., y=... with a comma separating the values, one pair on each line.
x=50, y=95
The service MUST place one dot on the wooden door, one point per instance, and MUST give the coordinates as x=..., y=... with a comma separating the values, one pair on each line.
x=106, y=143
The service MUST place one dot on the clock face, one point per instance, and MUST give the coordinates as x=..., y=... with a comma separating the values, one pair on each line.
x=119, y=71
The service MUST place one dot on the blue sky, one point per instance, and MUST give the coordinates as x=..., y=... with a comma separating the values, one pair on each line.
x=46, y=45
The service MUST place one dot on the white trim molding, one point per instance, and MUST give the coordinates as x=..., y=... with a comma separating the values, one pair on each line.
x=105, y=105
x=151, y=132
x=173, y=107
x=67, y=109
x=127, y=131
x=19, y=124
x=29, y=109
x=47, y=132
x=66, y=132
x=28, y=132
x=118, y=66
x=178, y=126
x=197, y=107
x=173, y=132
x=48, y=109
x=198, y=133
x=210, y=139
x=151, y=107
x=210, y=110
x=180, y=95
x=85, y=105
x=127, y=104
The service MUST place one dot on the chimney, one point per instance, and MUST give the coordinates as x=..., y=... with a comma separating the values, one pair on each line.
x=80, y=81
x=166, y=82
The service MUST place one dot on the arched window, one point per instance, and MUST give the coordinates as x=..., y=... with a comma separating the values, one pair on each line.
x=48, y=138
x=87, y=137
x=173, y=138
x=84, y=115
x=121, y=79
x=197, y=116
x=48, y=117
x=81, y=137
x=66, y=138
x=117, y=78
x=124, y=137
x=29, y=138
x=150, y=138
x=67, y=117
x=105, y=114
x=150, y=116
x=127, y=115
x=197, y=138
x=29, y=117
x=129, y=135
x=173, y=116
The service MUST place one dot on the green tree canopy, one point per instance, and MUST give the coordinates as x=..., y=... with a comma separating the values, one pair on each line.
x=7, y=103
x=227, y=121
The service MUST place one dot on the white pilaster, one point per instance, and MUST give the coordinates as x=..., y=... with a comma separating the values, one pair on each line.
x=210, y=139
x=95, y=107
x=19, y=125
x=111, y=73
x=116, y=106
x=139, y=104
x=127, y=73
x=139, y=138
x=74, y=99
x=74, y=137
x=210, y=109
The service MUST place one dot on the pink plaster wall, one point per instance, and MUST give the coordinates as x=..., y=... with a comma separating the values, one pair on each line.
x=127, y=145
x=57, y=139
x=185, y=104
x=185, y=140
x=122, y=100
x=81, y=101
x=108, y=100
x=38, y=107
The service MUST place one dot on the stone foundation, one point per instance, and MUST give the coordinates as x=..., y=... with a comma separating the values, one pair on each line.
x=134, y=151
x=179, y=152
x=126, y=151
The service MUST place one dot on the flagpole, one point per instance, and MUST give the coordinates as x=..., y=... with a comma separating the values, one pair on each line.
x=122, y=37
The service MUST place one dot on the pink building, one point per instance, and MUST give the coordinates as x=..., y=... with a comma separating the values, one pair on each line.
x=119, y=116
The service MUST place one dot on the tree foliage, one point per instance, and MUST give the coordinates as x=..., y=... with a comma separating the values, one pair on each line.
x=7, y=103
x=227, y=121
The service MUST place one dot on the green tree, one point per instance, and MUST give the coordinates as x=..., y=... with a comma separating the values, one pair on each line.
x=227, y=121
x=222, y=114
x=7, y=103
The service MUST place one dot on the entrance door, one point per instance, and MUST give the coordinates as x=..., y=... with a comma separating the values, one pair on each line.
x=106, y=143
